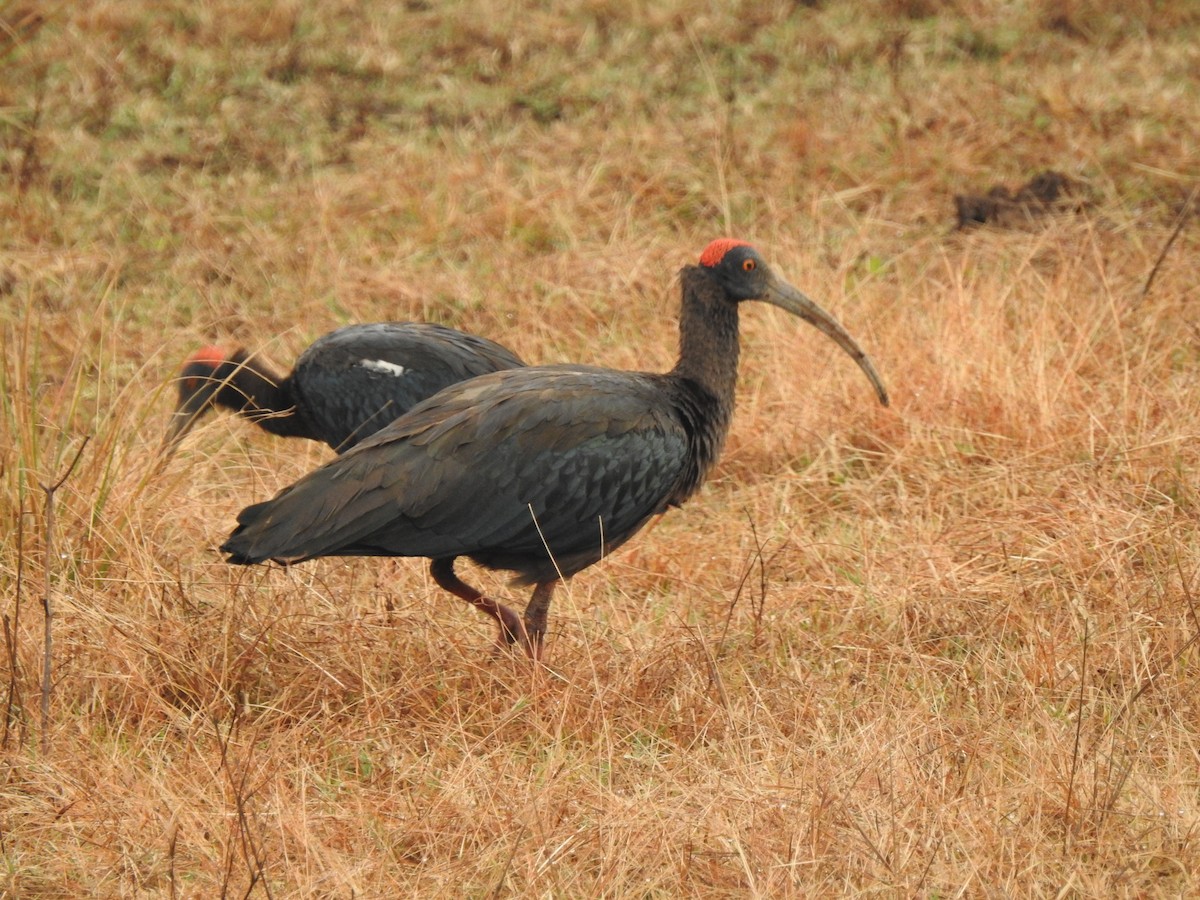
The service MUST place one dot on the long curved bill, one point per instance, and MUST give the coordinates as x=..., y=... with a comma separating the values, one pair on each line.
x=780, y=293
x=182, y=421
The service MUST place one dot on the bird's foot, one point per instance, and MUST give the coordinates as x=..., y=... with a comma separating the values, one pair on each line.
x=512, y=629
x=533, y=643
x=515, y=631
x=535, y=619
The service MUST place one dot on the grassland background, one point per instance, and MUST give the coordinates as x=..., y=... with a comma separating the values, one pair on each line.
x=941, y=649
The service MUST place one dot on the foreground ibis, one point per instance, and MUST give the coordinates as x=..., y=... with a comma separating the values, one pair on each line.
x=541, y=471
x=344, y=387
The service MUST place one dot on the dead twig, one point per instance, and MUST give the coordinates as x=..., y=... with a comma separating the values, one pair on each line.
x=13, y=703
x=47, y=605
x=1184, y=214
x=1078, y=741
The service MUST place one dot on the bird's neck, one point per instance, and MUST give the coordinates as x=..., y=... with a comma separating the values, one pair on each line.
x=252, y=390
x=706, y=374
x=708, y=339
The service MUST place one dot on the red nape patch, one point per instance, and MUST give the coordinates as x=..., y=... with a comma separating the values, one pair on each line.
x=715, y=252
x=211, y=355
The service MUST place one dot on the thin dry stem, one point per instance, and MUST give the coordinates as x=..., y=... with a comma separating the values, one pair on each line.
x=48, y=596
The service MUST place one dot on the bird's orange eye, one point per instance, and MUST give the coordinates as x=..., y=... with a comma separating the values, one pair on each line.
x=748, y=265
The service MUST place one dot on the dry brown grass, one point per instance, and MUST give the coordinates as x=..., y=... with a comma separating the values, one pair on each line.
x=941, y=649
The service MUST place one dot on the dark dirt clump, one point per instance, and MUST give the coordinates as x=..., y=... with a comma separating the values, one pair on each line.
x=1046, y=193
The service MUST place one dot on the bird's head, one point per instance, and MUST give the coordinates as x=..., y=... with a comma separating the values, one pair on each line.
x=743, y=275
x=196, y=378
x=738, y=268
x=200, y=381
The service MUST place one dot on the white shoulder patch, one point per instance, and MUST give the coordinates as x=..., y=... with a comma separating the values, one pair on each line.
x=381, y=365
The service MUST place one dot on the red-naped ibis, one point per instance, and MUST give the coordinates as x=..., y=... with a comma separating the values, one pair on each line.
x=346, y=386
x=541, y=471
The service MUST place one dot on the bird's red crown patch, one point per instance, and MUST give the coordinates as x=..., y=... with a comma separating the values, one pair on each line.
x=211, y=355
x=715, y=252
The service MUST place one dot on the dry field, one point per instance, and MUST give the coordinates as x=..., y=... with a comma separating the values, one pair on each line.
x=943, y=649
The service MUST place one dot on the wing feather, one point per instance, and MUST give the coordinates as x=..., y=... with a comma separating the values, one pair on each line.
x=581, y=451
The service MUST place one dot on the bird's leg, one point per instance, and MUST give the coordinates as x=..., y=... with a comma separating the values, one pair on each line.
x=511, y=627
x=535, y=617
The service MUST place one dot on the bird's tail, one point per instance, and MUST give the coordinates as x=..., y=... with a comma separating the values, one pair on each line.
x=243, y=547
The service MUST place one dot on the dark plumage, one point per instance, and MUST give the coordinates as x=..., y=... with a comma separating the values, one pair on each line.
x=344, y=387
x=541, y=471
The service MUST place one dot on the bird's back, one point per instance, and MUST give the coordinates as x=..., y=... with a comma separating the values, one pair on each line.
x=353, y=381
